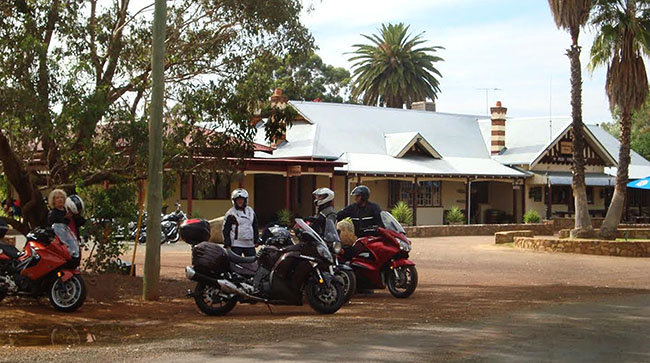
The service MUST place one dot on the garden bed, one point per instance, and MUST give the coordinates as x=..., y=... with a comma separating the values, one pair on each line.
x=638, y=248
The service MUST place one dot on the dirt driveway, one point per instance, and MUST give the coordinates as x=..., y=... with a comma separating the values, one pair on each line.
x=467, y=286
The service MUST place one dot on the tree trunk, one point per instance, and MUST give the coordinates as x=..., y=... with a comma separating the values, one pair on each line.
x=33, y=207
x=151, y=289
x=583, y=227
x=615, y=211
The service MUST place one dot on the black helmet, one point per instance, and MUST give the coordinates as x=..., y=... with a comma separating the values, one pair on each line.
x=363, y=191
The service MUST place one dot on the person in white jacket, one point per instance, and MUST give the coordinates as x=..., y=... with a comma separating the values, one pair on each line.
x=240, y=233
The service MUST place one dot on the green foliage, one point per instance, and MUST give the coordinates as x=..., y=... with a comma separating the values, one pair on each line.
x=107, y=210
x=302, y=76
x=531, y=216
x=455, y=216
x=393, y=69
x=403, y=213
x=285, y=217
x=640, y=133
x=75, y=79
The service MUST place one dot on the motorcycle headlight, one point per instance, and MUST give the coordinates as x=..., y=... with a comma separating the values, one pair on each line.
x=404, y=246
x=324, y=252
x=337, y=247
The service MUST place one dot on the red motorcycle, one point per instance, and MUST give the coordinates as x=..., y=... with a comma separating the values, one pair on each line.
x=382, y=261
x=47, y=266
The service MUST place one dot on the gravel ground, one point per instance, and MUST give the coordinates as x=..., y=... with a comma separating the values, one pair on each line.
x=470, y=292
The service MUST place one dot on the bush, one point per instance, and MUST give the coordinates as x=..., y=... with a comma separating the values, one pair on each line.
x=285, y=217
x=532, y=216
x=455, y=216
x=108, y=212
x=403, y=213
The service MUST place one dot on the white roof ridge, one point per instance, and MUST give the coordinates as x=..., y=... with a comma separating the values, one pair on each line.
x=352, y=105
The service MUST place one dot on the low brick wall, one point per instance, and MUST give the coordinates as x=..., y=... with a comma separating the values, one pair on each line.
x=587, y=247
x=478, y=229
x=629, y=233
x=509, y=236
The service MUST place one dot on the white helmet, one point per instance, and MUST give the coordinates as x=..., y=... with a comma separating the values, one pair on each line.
x=239, y=193
x=74, y=204
x=322, y=196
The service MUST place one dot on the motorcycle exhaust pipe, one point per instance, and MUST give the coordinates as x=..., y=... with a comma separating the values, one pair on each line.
x=191, y=274
x=230, y=288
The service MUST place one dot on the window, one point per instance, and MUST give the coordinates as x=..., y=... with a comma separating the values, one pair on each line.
x=206, y=186
x=428, y=193
x=590, y=195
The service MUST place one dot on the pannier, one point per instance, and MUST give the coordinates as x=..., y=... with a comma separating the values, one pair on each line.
x=209, y=258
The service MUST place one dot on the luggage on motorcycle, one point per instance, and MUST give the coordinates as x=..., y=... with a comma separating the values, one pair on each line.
x=43, y=235
x=195, y=231
x=209, y=258
x=244, y=269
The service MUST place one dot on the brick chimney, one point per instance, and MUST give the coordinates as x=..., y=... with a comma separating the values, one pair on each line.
x=498, y=117
x=279, y=101
x=424, y=106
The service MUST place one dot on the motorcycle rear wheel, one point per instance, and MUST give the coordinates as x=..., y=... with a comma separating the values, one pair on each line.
x=325, y=300
x=405, y=286
x=207, y=306
x=67, y=296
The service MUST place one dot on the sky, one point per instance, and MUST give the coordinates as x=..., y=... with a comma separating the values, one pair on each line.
x=512, y=45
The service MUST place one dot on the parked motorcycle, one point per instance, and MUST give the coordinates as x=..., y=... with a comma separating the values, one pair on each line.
x=331, y=237
x=48, y=266
x=277, y=275
x=169, y=224
x=382, y=261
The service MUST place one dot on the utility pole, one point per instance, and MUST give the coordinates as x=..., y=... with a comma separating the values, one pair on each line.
x=151, y=289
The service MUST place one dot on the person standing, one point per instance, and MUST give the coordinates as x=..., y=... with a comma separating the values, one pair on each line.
x=240, y=232
x=365, y=215
x=66, y=210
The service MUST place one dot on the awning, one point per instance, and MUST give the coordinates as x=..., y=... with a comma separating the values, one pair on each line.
x=566, y=178
x=640, y=184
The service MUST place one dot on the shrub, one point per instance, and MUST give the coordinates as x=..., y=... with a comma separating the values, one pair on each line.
x=403, y=213
x=532, y=216
x=455, y=216
x=285, y=217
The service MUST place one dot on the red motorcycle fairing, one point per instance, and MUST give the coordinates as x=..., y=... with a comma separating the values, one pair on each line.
x=66, y=274
x=402, y=262
x=52, y=256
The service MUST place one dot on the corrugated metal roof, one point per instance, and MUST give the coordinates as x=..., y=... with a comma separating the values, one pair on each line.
x=423, y=165
x=566, y=178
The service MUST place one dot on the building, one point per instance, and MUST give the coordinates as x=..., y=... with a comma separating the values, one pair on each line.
x=493, y=169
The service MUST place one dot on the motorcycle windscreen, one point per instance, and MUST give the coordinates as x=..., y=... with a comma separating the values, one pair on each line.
x=391, y=223
x=65, y=235
x=331, y=234
x=307, y=229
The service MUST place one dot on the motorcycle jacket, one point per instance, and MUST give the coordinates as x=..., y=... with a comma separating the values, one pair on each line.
x=325, y=212
x=366, y=219
x=240, y=228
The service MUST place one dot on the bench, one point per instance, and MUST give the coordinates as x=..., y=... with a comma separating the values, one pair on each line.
x=509, y=236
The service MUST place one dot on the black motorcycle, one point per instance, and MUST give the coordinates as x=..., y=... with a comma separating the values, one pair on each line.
x=169, y=224
x=277, y=275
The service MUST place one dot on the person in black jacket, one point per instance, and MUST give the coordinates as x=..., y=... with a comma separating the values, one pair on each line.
x=365, y=215
x=66, y=210
x=324, y=201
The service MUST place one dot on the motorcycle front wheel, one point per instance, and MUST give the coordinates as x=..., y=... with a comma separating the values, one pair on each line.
x=349, y=283
x=325, y=299
x=209, y=301
x=402, y=281
x=67, y=296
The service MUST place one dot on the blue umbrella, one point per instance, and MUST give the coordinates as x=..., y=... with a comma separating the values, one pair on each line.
x=640, y=183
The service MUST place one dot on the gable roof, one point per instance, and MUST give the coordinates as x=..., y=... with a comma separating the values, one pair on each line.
x=398, y=144
x=639, y=166
x=528, y=139
x=380, y=139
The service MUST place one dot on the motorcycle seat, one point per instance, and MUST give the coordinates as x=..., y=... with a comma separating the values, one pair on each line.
x=235, y=258
x=9, y=250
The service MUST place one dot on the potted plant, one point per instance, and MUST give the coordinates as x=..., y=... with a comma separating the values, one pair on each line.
x=285, y=217
x=455, y=216
x=403, y=213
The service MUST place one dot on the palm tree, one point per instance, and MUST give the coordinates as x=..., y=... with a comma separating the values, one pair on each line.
x=623, y=37
x=392, y=70
x=572, y=15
